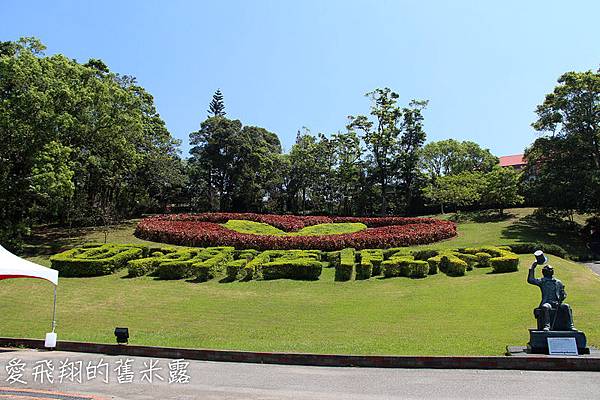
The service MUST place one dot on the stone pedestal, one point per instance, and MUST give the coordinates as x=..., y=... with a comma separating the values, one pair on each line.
x=538, y=340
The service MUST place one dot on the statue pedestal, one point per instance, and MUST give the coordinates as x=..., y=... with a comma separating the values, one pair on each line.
x=538, y=340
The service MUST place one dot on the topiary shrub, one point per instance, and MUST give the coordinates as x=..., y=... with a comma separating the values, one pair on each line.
x=424, y=254
x=96, y=260
x=372, y=257
x=507, y=263
x=452, y=265
x=209, y=268
x=405, y=266
x=396, y=252
x=531, y=247
x=364, y=270
x=470, y=259
x=144, y=266
x=234, y=268
x=483, y=259
x=170, y=270
x=345, y=270
x=300, y=269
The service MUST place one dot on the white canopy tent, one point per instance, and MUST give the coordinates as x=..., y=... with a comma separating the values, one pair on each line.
x=12, y=266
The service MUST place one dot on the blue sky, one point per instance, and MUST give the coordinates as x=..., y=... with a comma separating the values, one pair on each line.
x=283, y=65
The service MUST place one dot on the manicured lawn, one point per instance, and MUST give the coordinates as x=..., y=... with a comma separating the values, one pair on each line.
x=476, y=314
x=260, y=228
x=480, y=313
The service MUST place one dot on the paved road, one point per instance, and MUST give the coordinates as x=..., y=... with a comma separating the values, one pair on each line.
x=594, y=266
x=212, y=381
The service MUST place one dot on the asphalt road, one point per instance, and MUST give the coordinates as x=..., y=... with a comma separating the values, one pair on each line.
x=211, y=381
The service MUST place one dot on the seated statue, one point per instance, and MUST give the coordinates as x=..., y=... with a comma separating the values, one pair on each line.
x=553, y=295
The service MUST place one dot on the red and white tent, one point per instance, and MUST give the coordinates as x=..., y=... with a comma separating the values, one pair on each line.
x=12, y=266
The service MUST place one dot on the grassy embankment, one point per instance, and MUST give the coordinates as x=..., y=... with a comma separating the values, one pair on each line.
x=476, y=314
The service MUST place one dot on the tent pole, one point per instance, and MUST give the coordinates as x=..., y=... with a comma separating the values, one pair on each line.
x=54, y=311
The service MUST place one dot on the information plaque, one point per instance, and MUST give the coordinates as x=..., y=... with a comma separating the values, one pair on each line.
x=564, y=346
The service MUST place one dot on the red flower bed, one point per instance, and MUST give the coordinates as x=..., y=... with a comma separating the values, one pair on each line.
x=203, y=230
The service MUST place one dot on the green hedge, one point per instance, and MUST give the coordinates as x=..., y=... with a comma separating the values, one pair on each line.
x=301, y=269
x=345, y=270
x=369, y=263
x=206, y=263
x=483, y=259
x=531, y=247
x=405, y=266
x=234, y=269
x=96, y=260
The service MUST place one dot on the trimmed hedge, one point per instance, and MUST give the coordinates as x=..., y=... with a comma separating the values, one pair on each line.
x=96, y=260
x=203, y=264
x=300, y=269
x=345, y=270
x=205, y=230
x=405, y=266
x=369, y=263
x=531, y=247
x=234, y=268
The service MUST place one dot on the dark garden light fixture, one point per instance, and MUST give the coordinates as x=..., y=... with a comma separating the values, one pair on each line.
x=122, y=335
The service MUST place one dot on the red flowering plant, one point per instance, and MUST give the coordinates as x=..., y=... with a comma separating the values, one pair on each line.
x=204, y=230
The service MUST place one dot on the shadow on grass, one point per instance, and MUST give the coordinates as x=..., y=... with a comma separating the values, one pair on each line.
x=48, y=240
x=534, y=229
x=481, y=216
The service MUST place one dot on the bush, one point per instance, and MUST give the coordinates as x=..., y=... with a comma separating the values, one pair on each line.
x=345, y=270
x=234, y=268
x=470, y=259
x=452, y=265
x=507, y=263
x=364, y=270
x=372, y=257
x=420, y=269
x=209, y=268
x=301, y=269
x=205, y=230
x=169, y=270
x=424, y=254
x=96, y=260
x=531, y=247
x=143, y=266
x=483, y=259
x=405, y=266
x=333, y=257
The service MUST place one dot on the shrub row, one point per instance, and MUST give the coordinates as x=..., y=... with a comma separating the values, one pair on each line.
x=203, y=264
x=195, y=230
x=96, y=259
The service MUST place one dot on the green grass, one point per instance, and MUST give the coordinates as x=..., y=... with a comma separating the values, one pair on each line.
x=480, y=313
x=260, y=228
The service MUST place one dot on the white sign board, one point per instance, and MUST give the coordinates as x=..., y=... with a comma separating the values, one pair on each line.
x=564, y=346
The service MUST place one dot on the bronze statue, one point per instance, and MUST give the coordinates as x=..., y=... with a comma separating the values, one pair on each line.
x=553, y=295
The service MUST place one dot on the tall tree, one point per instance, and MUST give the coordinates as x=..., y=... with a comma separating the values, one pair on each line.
x=451, y=157
x=393, y=140
x=563, y=169
x=76, y=139
x=216, y=108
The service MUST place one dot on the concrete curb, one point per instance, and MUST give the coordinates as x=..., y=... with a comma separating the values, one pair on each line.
x=539, y=363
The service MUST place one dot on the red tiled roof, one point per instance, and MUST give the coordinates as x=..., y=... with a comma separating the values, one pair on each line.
x=509, y=161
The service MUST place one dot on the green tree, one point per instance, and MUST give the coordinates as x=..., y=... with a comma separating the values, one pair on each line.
x=451, y=157
x=460, y=190
x=393, y=140
x=236, y=165
x=563, y=169
x=502, y=189
x=216, y=108
x=76, y=139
